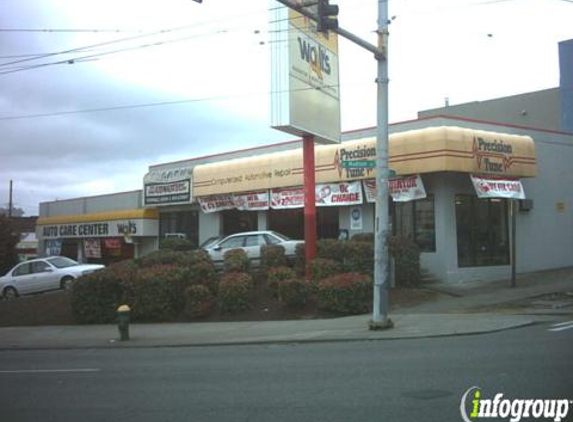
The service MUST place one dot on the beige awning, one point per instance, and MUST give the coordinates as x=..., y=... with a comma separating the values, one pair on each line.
x=430, y=150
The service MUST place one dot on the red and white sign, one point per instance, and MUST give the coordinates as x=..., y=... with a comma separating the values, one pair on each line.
x=494, y=187
x=92, y=248
x=215, y=203
x=252, y=201
x=287, y=198
x=338, y=194
x=402, y=189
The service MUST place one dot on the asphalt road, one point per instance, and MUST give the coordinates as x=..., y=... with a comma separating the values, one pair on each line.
x=401, y=380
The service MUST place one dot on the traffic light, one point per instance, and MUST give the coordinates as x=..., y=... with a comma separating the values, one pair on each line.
x=327, y=16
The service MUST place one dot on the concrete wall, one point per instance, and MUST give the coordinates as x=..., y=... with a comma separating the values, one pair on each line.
x=209, y=225
x=113, y=202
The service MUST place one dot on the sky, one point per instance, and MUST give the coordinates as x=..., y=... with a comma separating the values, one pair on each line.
x=149, y=82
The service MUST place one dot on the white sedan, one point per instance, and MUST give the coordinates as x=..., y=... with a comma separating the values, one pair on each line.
x=38, y=275
x=251, y=243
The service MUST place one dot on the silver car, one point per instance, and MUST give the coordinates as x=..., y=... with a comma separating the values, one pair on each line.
x=251, y=243
x=38, y=275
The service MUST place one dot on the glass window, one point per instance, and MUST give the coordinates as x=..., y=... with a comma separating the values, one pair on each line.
x=185, y=222
x=40, y=267
x=416, y=220
x=23, y=269
x=255, y=240
x=62, y=262
x=482, y=231
x=234, y=242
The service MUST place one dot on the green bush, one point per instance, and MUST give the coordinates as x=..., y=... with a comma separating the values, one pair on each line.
x=272, y=256
x=359, y=257
x=276, y=275
x=300, y=259
x=164, y=257
x=322, y=268
x=96, y=296
x=331, y=249
x=406, y=256
x=362, y=237
x=294, y=292
x=235, y=292
x=198, y=301
x=159, y=293
x=345, y=294
x=236, y=260
x=175, y=244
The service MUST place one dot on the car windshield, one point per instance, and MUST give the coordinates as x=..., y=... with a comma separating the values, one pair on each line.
x=281, y=236
x=62, y=262
x=209, y=242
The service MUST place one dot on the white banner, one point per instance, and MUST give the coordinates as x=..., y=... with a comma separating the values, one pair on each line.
x=402, y=189
x=337, y=194
x=252, y=201
x=215, y=203
x=287, y=198
x=494, y=187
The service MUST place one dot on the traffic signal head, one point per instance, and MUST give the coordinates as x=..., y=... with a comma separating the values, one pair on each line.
x=327, y=16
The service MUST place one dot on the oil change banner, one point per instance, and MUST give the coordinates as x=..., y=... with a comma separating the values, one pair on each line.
x=402, y=189
x=252, y=201
x=338, y=194
x=496, y=187
x=215, y=203
x=287, y=198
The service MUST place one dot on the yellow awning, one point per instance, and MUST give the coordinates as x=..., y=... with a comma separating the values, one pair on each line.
x=149, y=214
x=429, y=150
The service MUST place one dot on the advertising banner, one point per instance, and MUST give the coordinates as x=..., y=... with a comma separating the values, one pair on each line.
x=402, y=189
x=215, y=203
x=92, y=248
x=494, y=187
x=287, y=198
x=252, y=201
x=338, y=194
x=53, y=247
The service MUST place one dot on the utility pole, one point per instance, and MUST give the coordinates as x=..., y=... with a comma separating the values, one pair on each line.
x=10, y=201
x=380, y=318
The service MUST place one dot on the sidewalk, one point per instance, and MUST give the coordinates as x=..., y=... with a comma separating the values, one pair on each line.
x=450, y=316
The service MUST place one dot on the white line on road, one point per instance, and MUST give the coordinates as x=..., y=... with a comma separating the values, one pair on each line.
x=562, y=326
x=46, y=371
x=562, y=323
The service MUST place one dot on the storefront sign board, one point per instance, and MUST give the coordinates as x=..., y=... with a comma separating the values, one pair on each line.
x=402, y=189
x=493, y=187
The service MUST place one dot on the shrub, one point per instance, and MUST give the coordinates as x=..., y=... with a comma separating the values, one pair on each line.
x=234, y=292
x=359, y=257
x=276, y=275
x=362, y=237
x=346, y=294
x=236, y=260
x=203, y=273
x=175, y=244
x=272, y=256
x=95, y=297
x=198, y=301
x=322, y=268
x=406, y=256
x=331, y=249
x=294, y=292
x=164, y=257
x=158, y=293
x=300, y=259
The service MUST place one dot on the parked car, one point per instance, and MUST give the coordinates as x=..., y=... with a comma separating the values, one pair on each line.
x=251, y=243
x=38, y=275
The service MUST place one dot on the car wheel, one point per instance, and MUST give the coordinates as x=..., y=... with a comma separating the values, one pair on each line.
x=67, y=283
x=10, y=293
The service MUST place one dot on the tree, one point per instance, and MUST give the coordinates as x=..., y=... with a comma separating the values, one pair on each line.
x=8, y=241
x=16, y=212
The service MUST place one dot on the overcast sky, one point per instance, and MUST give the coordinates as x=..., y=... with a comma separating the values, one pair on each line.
x=209, y=66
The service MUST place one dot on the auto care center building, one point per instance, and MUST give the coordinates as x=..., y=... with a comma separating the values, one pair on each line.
x=455, y=168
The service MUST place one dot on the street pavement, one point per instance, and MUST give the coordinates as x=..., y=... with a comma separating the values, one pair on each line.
x=452, y=316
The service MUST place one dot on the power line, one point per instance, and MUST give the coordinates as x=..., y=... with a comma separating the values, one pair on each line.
x=155, y=104
x=50, y=30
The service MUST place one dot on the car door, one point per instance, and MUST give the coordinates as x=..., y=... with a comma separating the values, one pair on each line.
x=253, y=243
x=24, y=279
x=46, y=278
x=235, y=242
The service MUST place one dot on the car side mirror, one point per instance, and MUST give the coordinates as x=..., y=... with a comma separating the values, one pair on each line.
x=48, y=270
x=217, y=248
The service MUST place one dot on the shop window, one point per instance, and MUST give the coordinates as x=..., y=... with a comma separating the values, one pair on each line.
x=185, y=222
x=291, y=222
x=416, y=220
x=482, y=231
x=235, y=221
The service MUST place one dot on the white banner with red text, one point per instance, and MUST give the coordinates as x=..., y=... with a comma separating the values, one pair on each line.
x=402, y=189
x=497, y=187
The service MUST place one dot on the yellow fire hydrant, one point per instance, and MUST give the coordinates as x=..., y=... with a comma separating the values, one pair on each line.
x=123, y=313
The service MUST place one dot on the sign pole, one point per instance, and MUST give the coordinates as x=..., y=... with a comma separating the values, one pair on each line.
x=513, y=208
x=380, y=318
x=309, y=202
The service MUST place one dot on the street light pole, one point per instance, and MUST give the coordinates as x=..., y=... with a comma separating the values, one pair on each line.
x=380, y=318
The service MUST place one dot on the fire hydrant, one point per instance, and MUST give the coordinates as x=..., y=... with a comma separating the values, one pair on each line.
x=123, y=313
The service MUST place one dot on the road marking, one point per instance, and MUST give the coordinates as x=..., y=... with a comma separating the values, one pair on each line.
x=561, y=326
x=47, y=371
